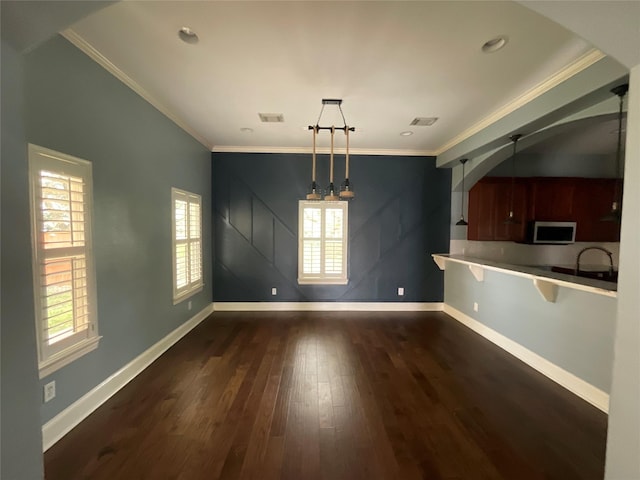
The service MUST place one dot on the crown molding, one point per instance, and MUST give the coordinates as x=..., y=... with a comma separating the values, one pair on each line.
x=324, y=150
x=585, y=61
x=105, y=63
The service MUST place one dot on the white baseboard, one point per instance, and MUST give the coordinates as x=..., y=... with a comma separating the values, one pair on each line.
x=61, y=424
x=568, y=380
x=328, y=306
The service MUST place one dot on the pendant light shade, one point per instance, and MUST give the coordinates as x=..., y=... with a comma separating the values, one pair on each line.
x=462, y=221
x=346, y=189
x=615, y=214
x=511, y=219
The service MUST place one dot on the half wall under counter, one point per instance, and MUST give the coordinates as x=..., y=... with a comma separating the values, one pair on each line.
x=561, y=325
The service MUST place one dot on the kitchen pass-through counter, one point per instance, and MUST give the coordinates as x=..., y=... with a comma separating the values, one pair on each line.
x=543, y=277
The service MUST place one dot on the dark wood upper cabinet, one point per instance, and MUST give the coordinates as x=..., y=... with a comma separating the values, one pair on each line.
x=593, y=199
x=581, y=200
x=552, y=199
x=489, y=206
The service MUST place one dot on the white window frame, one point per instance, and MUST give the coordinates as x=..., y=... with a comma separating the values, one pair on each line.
x=76, y=343
x=323, y=278
x=193, y=245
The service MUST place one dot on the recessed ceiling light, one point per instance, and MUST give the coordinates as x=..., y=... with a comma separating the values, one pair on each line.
x=406, y=133
x=495, y=44
x=187, y=35
x=246, y=130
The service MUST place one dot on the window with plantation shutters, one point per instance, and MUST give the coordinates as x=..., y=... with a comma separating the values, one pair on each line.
x=322, y=249
x=187, y=244
x=64, y=276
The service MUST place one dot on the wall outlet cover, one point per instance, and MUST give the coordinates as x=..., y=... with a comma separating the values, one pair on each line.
x=400, y=291
x=50, y=391
x=274, y=291
x=475, y=306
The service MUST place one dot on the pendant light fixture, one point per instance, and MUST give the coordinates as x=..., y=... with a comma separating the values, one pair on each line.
x=332, y=193
x=346, y=192
x=615, y=214
x=314, y=193
x=511, y=219
x=462, y=221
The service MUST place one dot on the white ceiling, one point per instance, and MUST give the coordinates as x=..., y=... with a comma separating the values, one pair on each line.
x=389, y=61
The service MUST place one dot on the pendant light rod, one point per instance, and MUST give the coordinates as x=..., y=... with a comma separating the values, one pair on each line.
x=621, y=91
x=346, y=157
x=333, y=132
x=462, y=221
x=615, y=214
x=511, y=218
x=313, y=170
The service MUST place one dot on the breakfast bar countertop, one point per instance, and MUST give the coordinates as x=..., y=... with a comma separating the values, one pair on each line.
x=542, y=275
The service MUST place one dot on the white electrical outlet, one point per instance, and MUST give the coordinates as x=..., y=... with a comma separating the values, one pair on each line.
x=50, y=391
x=189, y=305
x=475, y=306
x=274, y=291
x=400, y=291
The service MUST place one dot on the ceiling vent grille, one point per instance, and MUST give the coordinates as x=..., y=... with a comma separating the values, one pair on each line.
x=423, y=121
x=271, y=117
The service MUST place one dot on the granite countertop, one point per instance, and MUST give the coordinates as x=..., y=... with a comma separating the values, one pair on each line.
x=543, y=271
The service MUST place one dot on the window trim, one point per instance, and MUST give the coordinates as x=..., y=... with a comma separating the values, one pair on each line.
x=181, y=294
x=41, y=158
x=323, y=278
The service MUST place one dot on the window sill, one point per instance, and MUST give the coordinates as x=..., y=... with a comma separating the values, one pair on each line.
x=64, y=358
x=183, y=296
x=323, y=281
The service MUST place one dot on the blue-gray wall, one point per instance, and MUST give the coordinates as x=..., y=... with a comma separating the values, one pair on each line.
x=74, y=106
x=576, y=332
x=399, y=217
x=21, y=455
x=557, y=165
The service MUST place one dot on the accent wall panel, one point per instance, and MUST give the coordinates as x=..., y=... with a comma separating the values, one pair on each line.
x=399, y=218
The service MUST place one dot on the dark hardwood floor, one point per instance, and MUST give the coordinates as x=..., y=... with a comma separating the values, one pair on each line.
x=335, y=396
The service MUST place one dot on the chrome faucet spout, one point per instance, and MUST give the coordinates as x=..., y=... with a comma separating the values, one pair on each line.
x=609, y=254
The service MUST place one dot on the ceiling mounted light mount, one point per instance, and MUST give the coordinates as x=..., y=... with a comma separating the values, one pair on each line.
x=346, y=189
x=495, y=44
x=615, y=214
x=462, y=221
x=187, y=35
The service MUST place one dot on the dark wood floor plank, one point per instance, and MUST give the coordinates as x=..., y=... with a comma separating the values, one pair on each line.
x=333, y=396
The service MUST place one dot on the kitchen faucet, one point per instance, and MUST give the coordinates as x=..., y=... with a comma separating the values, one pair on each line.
x=610, y=254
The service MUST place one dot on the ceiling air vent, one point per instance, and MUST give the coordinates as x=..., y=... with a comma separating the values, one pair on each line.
x=271, y=117
x=423, y=121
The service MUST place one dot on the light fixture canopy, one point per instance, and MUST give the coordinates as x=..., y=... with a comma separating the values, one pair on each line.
x=615, y=214
x=462, y=221
x=187, y=35
x=511, y=219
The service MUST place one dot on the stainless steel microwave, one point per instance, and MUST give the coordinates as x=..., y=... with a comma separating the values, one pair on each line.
x=560, y=233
